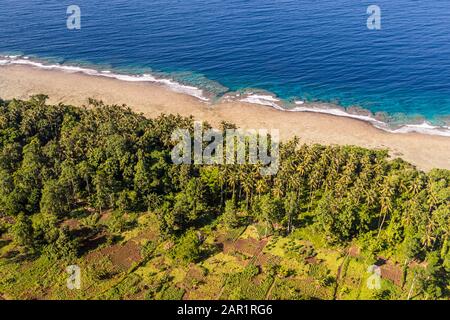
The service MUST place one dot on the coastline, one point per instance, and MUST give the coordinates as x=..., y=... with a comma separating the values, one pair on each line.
x=157, y=96
x=212, y=91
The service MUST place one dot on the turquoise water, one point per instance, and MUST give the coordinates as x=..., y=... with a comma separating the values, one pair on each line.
x=297, y=50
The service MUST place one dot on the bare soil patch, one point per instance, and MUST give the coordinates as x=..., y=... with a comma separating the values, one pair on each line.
x=354, y=251
x=390, y=271
x=266, y=258
x=148, y=234
x=249, y=246
x=121, y=255
x=71, y=224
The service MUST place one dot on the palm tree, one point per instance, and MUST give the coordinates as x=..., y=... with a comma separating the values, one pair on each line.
x=387, y=192
x=247, y=185
x=416, y=186
x=232, y=179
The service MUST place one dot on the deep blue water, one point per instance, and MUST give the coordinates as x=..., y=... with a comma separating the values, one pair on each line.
x=303, y=49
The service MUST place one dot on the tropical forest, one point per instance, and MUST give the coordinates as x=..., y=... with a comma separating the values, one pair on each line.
x=96, y=188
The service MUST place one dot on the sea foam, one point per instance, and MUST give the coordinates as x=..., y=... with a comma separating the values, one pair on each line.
x=169, y=83
x=302, y=106
x=259, y=98
x=265, y=100
x=424, y=128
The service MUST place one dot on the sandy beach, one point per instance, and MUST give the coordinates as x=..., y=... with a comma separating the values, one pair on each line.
x=424, y=151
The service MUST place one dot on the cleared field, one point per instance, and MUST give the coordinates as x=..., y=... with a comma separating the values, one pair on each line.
x=242, y=265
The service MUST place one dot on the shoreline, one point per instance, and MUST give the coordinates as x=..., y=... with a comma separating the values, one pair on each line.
x=152, y=98
x=379, y=120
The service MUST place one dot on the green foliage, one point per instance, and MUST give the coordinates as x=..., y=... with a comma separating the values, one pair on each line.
x=172, y=293
x=45, y=228
x=291, y=208
x=127, y=201
x=54, y=199
x=269, y=211
x=284, y=290
x=285, y=272
x=229, y=216
x=148, y=249
x=22, y=231
x=110, y=158
x=188, y=247
x=412, y=246
x=119, y=223
x=336, y=218
x=65, y=247
x=57, y=159
x=125, y=288
x=320, y=273
x=242, y=286
x=164, y=289
x=433, y=281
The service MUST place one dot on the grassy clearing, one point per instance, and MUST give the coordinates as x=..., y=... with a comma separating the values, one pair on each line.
x=294, y=267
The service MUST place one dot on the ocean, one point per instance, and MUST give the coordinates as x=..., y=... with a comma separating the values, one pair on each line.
x=273, y=52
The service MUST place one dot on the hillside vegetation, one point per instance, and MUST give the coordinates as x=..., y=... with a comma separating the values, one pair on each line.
x=96, y=187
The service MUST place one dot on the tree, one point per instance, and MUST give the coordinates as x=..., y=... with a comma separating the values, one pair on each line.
x=412, y=246
x=64, y=247
x=229, y=216
x=142, y=176
x=45, y=228
x=55, y=158
x=336, y=218
x=188, y=247
x=54, y=199
x=269, y=211
x=27, y=179
x=22, y=231
x=434, y=279
x=291, y=209
x=104, y=192
x=189, y=203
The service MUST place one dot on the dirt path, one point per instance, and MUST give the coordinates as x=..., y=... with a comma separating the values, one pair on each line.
x=220, y=292
x=269, y=292
x=338, y=275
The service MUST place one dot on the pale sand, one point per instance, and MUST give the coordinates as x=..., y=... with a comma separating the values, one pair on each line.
x=424, y=151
